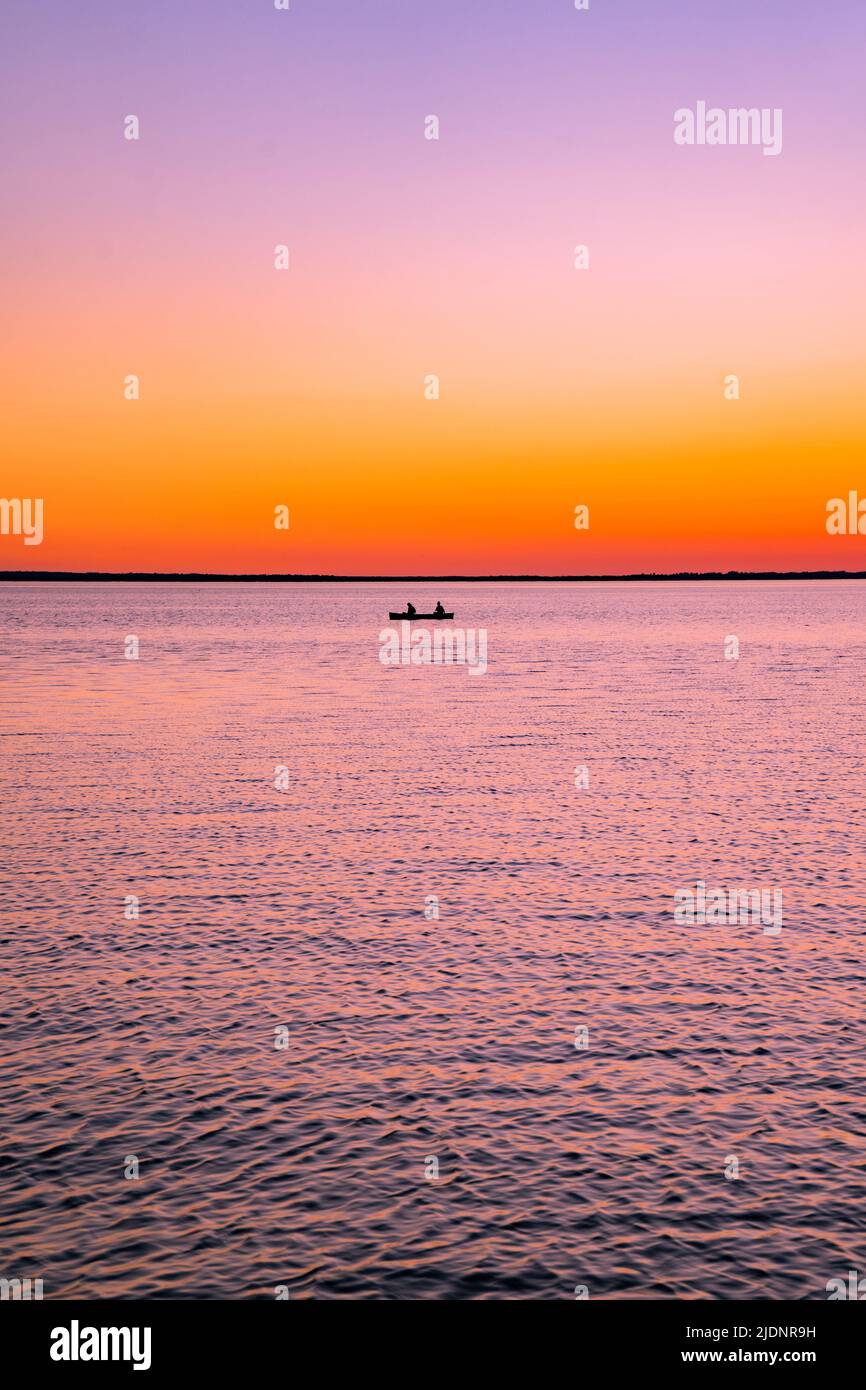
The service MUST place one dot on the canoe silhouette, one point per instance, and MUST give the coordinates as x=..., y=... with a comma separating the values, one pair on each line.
x=435, y=616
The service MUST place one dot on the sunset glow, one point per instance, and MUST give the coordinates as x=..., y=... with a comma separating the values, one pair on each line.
x=411, y=257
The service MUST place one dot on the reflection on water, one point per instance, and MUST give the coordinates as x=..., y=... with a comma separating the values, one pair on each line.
x=472, y=946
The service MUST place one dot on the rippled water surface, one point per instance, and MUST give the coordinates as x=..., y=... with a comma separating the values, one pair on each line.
x=412, y=1038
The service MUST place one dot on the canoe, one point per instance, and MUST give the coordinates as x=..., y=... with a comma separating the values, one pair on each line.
x=434, y=616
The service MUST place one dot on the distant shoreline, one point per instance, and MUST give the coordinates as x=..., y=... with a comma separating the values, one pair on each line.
x=135, y=577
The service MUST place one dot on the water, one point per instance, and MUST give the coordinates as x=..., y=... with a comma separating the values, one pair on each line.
x=412, y=1037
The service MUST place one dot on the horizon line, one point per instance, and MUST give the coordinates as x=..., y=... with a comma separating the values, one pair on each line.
x=194, y=576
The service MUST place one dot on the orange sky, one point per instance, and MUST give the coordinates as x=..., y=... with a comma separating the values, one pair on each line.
x=409, y=257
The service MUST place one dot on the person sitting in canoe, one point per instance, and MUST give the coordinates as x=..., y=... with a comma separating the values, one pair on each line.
x=411, y=610
x=438, y=611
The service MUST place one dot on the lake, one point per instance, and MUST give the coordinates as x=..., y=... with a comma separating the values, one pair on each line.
x=362, y=980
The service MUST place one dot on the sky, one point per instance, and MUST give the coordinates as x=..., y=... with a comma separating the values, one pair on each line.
x=411, y=258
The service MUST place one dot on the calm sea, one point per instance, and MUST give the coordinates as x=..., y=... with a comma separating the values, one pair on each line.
x=341, y=1047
